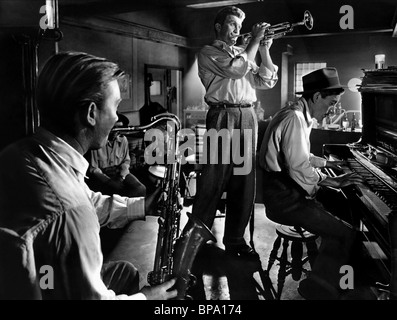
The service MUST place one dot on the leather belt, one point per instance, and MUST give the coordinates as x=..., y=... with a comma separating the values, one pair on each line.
x=230, y=105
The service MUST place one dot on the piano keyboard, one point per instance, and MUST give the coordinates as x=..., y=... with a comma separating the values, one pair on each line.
x=379, y=195
x=376, y=195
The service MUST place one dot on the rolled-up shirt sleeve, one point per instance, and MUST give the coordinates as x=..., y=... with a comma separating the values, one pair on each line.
x=136, y=296
x=263, y=77
x=317, y=162
x=116, y=211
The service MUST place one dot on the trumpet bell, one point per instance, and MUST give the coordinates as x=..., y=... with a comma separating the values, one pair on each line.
x=281, y=29
x=308, y=20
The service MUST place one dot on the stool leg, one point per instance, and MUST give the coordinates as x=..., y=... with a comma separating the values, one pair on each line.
x=296, y=259
x=273, y=253
x=312, y=252
x=282, y=272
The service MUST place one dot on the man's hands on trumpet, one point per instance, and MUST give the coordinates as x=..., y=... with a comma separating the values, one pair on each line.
x=258, y=33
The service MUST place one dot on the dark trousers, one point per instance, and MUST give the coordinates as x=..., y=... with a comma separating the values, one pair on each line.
x=238, y=181
x=130, y=187
x=286, y=203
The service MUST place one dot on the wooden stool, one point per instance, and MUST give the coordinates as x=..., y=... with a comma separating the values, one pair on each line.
x=297, y=236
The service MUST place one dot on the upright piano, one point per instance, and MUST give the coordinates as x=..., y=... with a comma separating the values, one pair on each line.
x=374, y=157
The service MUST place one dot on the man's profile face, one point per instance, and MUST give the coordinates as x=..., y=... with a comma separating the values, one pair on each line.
x=230, y=29
x=107, y=116
x=323, y=104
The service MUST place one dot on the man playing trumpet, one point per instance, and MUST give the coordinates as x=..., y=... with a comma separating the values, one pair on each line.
x=230, y=76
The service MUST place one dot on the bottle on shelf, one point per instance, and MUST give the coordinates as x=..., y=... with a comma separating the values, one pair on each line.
x=341, y=116
x=338, y=109
x=328, y=118
x=339, y=112
x=326, y=121
x=354, y=122
x=345, y=122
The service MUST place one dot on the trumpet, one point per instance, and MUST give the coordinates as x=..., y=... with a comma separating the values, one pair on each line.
x=281, y=29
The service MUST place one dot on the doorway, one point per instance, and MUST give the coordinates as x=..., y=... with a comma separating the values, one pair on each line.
x=166, y=87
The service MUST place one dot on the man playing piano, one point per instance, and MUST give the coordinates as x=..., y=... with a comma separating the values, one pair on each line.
x=294, y=187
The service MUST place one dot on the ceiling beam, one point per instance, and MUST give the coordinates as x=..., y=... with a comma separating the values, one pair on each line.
x=126, y=28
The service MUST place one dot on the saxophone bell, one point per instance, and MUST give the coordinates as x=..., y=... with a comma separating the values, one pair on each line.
x=194, y=236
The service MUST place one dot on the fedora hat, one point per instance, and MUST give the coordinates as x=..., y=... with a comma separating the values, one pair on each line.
x=321, y=79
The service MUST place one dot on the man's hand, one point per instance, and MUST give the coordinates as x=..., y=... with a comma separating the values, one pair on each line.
x=161, y=291
x=343, y=180
x=258, y=30
x=113, y=171
x=258, y=33
x=337, y=165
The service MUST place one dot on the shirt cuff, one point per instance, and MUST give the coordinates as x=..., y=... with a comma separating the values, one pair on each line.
x=125, y=210
x=266, y=73
x=136, y=296
x=321, y=176
x=136, y=208
x=317, y=162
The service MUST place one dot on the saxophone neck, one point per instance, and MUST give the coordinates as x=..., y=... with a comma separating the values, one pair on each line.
x=155, y=120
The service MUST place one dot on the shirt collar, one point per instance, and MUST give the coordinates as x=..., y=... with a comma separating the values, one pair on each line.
x=62, y=149
x=305, y=109
x=117, y=139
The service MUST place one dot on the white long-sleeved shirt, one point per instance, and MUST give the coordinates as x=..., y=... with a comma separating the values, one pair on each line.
x=228, y=76
x=49, y=217
x=286, y=147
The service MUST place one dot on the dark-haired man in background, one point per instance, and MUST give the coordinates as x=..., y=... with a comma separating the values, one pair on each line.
x=109, y=170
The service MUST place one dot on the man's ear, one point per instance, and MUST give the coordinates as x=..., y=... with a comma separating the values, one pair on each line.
x=316, y=96
x=91, y=114
x=218, y=27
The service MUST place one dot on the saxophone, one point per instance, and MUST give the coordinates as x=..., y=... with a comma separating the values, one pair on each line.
x=169, y=208
x=174, y=253
x=169, y=204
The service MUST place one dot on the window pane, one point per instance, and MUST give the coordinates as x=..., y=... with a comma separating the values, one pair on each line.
x=303, y=68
